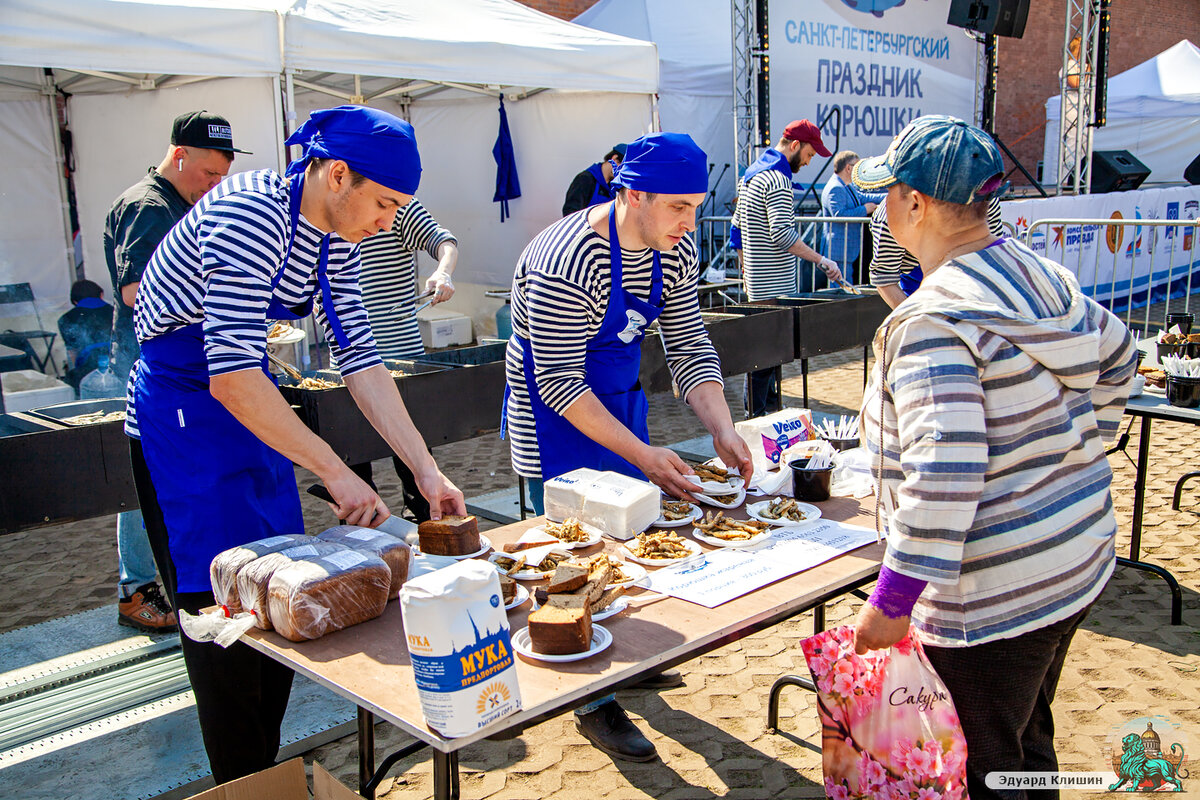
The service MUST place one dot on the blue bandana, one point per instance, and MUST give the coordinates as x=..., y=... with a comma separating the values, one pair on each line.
x=664, y=163
x=373, y=143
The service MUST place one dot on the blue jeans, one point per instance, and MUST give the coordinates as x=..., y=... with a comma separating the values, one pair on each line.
x=537, y=497
x=135, y=560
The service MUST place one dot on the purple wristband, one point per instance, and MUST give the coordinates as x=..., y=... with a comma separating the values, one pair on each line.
x=895, y=594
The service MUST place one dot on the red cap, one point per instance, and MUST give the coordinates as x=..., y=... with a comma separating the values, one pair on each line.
x=801, y=130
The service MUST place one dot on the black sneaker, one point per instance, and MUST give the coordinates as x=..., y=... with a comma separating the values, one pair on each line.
x=611, y=730
x=147, y=610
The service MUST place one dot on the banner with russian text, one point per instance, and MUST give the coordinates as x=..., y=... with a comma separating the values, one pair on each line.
x=882, y=63
x=1117, y=263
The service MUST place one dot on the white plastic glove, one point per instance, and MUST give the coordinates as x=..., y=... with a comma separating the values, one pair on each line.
x=441, y=285
x=830, y=268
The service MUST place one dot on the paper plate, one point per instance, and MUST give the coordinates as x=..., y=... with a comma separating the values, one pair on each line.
x=633, y=571
x=289, y=337
x=1154, y=390
x=601, y=639
x=485, y=545
x=811, y=514
x=522, y=575
x=734, y=483
x=616, y=607
x=662, y=522
x=738, y=499
x=520, y=597
x=715, y=541
x=693, y=550
x=592, y=532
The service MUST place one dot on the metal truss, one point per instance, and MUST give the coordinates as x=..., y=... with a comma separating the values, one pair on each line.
x=1076, y=107
x=750, y=67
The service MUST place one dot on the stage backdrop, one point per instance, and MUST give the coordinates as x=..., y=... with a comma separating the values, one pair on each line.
x=883, y=62
x=1116, y=263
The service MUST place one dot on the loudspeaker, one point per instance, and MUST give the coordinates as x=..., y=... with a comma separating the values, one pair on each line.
x=1192, y=173
x=999, y=17
x=1116, y=171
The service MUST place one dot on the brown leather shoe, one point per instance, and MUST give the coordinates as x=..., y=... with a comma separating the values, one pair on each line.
x=147, y=610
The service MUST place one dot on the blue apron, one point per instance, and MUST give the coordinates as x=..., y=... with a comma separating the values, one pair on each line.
x=911, y=281
x=218, y=484
x=600, y=193
x=612, y=362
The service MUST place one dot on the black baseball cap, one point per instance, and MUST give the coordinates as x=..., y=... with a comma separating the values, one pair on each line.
x=204, y=130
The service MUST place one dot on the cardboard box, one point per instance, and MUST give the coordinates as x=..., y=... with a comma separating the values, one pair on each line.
x=25, y=389
x=284, y=781
x=443, y=328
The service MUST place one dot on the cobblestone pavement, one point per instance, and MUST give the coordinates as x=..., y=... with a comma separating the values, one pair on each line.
x=1127, y=661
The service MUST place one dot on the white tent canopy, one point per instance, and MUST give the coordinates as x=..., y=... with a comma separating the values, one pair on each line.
x=695, y=54
x=130, y=67
x=1153, y=112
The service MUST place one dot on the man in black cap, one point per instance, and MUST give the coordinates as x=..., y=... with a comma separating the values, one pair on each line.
x=200, y=155
x=86, y=329
x=592, y=186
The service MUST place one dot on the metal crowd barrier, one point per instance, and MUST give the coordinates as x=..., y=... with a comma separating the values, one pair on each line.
x=1088, y=272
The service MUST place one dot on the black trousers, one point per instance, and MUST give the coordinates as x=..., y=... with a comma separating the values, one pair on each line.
x=414, y=501
x=763, y=393
x=1002, y=691
x=241, y=695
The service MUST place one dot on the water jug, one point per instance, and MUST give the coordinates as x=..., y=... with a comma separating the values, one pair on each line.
x=101, y=383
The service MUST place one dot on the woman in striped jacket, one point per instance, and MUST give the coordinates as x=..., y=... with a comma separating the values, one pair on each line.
x=998, y=382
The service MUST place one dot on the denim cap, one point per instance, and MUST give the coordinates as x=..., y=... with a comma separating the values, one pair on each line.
x=939, y=156
x=664, y=163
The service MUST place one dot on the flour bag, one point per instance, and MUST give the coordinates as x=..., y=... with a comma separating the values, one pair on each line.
x=888, y=725
x=459, y=642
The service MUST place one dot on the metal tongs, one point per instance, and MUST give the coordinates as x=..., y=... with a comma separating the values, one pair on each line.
x=422, y=307
x=848, y=286
x=291, y=371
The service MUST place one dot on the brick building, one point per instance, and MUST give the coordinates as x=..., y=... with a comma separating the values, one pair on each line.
x=1029, y=66
x=564, y=9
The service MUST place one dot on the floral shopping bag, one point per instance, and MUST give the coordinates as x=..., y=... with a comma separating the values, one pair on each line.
x=888, y=726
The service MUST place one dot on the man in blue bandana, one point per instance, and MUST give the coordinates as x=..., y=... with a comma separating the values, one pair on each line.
x=593, y=186
x=212, y=441
x=583, y=294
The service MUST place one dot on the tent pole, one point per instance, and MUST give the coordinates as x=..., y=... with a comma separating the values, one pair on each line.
x=51, y=93
x=280, y=147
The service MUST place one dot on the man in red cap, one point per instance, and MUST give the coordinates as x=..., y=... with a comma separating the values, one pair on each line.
x=765, y=221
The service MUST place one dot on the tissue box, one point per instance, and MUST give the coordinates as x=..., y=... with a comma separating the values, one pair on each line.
x=25, y=389
x=443, y=328
x=767, y=437
x=618, y=505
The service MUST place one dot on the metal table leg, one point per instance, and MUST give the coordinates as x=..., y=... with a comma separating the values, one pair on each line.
x=366, y=752
x=445, y=775
x=803, y=378
x=1135, y=536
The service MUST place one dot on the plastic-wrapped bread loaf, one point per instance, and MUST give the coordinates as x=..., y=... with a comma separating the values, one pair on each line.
x=225, y=566
x=254, y=578
x=314, y=596
x=394, y=551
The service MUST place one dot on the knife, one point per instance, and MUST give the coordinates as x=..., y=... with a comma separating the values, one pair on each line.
x=393, y=524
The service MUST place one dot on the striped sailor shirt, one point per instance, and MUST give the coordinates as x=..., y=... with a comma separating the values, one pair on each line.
x=389, y=278
x=765, y=214
x=216, y=267
x=560, y=292
x=1002, y=381
x=889, y=260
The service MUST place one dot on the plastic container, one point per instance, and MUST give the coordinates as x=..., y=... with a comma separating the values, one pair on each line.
x=1184, y=321
x=842, y=445
x=101, y=383
x=27, y=389
x=1183, y=392
x=811, y=485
